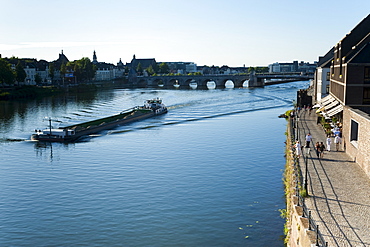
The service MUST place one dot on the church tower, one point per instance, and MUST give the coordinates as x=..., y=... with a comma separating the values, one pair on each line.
x=95, y=60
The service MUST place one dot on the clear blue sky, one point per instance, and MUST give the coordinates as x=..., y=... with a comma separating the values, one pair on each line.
x=207, y=32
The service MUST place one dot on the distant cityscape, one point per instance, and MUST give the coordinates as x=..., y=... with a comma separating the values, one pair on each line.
x=63, y=72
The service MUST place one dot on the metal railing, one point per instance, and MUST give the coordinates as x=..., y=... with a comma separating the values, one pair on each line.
x=312, y=226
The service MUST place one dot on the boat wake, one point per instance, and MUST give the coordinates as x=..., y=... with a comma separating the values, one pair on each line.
x=160, y=124
x=12, y=140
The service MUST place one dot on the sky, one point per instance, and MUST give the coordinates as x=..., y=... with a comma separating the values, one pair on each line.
x=235, y=33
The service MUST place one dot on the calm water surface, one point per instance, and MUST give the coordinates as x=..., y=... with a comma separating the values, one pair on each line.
x=208, y=173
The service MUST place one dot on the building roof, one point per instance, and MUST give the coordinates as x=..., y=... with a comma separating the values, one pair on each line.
x=145, y=63
x=326, y=59
x=362, y=55
x=355, y=39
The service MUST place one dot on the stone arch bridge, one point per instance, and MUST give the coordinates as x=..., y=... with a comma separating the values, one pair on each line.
x=184, y=81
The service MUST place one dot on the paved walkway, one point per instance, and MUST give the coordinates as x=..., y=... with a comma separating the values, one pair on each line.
x=339, y=190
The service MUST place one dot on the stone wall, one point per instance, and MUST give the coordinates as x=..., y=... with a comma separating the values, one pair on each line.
x=299, y=233
x=358, y=150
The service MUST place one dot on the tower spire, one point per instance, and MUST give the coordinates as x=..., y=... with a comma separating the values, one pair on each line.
x=95, y=60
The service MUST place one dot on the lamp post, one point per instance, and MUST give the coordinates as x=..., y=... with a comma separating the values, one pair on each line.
x=306, y=170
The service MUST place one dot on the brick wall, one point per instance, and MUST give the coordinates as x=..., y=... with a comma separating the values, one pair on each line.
x=358, y=150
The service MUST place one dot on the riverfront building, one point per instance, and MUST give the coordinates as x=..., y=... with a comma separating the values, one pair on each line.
x=349, y=95
x=302, y=67
x=107, y=71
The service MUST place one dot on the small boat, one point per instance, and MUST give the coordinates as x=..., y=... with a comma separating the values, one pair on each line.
x=152, y=107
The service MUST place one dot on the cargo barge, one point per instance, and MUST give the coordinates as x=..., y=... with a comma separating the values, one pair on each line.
x=152, y=107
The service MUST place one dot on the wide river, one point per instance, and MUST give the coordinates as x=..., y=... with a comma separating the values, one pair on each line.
x=207, y=173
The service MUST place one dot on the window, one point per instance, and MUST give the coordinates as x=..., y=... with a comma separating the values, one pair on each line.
x=354, y=131
x=366, y=98
x=367, y=74
x=328, y=76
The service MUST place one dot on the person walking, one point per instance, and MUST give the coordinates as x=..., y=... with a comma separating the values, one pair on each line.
x=308, y=140
x=298, y=149
x=337, y=141
x=322, y=149
x=328, y=143
x=317, y=149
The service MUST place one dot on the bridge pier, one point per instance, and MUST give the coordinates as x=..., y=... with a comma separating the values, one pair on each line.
x=254, y=81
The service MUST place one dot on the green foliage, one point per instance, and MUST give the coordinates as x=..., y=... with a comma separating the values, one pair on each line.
x=283, y=213
x=83, y=69
x=195, y=73
x=6, y=72
x=51, y=70
x=303, y=192
x=38, y=79
x=139, y=68
x=258, y=69
x=150, y=70
x=155, y=68
x=164, y=68
x=20, y=74
x=27, y=92
x=63, y=70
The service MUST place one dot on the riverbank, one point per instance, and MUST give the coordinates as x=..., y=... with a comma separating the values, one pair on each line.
x=24, y=92
x=298, y=227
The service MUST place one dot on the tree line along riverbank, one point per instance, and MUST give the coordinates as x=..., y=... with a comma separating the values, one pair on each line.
x=24, y=92
x=29, y=92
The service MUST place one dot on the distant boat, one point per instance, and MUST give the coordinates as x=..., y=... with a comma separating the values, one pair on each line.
x=71, y=133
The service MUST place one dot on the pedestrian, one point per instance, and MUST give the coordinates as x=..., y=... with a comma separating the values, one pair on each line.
x=322, y=149
x=298, y=149
x=337, y=141
x=308, y=140
x=317, y=149
x=328, y=142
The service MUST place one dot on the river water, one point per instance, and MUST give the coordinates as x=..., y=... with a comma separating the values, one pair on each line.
x=208, y=173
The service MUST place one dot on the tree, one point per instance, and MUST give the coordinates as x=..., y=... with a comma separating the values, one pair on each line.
x=251, y=69
x=164, y=68
x=38, y=79
x=84, y=69
x=139, y=69
x=150, y=70
x=77, y=71
x=155, y=68
x=51, y=71
x=262, y=69
x=88, y=69
x=6, y=72
x=63, y=70
x=20, y=74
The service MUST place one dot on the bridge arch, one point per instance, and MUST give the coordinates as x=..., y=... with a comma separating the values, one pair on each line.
x=173, y=83
x=221, y=81
x=142, y=83
x=158, y=82
x=191, y=83
x=229, y=83
x=204, y=83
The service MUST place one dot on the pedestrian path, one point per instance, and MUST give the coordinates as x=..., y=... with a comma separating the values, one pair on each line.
x=339, y=190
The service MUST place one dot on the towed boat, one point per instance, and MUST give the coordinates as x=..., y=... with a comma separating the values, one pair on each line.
x=152, y=107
